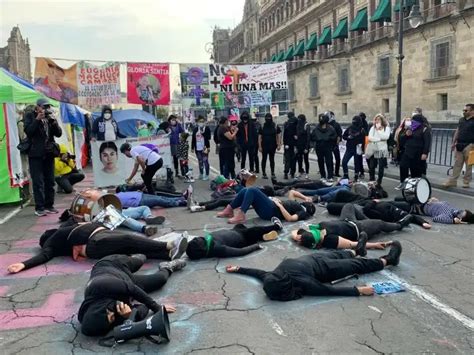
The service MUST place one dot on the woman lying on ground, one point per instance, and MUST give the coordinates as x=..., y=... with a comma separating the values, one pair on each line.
x=113, y=285
x=308, y=275
x=238, y=241
x=266, y=207
x=92, y=240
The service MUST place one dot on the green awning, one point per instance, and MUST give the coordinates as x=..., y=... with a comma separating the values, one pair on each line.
x=360, y=21
x=289, y=53
x=299, y=49
x=383, y=12
x=311, y=43
x=280, y=56
x=325, y=37
x=408, y=4
x=341, y=29
x=273, y=59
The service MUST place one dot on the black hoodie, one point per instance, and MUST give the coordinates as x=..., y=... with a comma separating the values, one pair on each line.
x=289, y=130
x=324, y=137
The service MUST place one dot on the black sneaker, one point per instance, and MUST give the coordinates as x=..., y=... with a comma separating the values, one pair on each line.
x=276, y=221
x=150, y=230
x=405, y=221
x=274, y=178
x=155, y=220
x=51, y=210
x=173, y=266
x=361, y=243
x=264, y=176
x=179, y=246
x=285, y=177
x=393, y=256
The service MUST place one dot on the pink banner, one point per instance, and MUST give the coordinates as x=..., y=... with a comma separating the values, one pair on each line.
x=148, y=83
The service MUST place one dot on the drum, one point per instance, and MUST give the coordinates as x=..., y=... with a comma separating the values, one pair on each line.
x=88, y=203
x=416, y=190
x=248, y=179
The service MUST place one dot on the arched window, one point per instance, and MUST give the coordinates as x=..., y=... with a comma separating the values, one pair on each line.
x=278, y=16
x=287, y=9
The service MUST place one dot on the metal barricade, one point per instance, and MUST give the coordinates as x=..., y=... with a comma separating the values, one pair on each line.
x=441, y=153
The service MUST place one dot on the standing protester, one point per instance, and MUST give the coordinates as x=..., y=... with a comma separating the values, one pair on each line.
x=255, y=152
x=149, y=160
x=359, y=158
x=416, y=142
x=400, y=138
x=377, y=149
x=200, y=144
x=176, y=130
x=303, y=132
x=218, y=145
x=463, y=145
x=226, y=137
x=234, y=121
x=105, y=128
x=336, y=152
x=65, y=172
x=354, y=137
x=247, y=140
x=269, y=140
x=289, y=142
x=41, y=127
x=183, y=156
x=325, y=136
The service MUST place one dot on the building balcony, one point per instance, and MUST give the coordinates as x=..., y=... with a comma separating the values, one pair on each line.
x=439, y=11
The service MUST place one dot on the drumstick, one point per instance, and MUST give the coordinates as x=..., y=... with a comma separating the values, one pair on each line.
x=348, y=277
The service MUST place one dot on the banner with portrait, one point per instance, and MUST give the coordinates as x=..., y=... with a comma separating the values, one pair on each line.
x=98, y=85
x=148, y=83
x=56, y=82
x=111, y=168
x=194, y=85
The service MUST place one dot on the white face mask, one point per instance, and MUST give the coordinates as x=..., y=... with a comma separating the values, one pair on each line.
x=407, y=123
x=107, y=116
x=200, y=124
x=378, y=125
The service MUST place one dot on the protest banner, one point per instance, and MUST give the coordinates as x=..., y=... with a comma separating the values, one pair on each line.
x=111, y=168
x=56, y=82
x=194, y=85
x=98, y=85
x=148, y=83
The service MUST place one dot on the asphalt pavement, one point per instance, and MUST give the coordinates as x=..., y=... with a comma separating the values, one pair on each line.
x=221, y=313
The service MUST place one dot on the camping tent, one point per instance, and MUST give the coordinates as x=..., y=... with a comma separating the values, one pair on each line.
x=127, y=120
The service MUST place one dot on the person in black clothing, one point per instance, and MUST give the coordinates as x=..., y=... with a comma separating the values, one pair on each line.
x=41, y=127
x=247, y=140
x=359, y=158
x=324, y=135
x=354, y=137
x=238, y=241
x=309, y=274
x=336, y=152
x=269, y=141
x=258, y=126
x=226, y=137
x=303, y=133
x=289, y=143
x=93, y=241
x=113, y=285
x=417, y=145
x=216, y=142
x=392, y=211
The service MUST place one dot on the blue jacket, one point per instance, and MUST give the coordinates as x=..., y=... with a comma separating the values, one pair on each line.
x=175, y=132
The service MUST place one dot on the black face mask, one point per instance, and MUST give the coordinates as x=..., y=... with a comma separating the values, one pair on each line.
x=268, y=120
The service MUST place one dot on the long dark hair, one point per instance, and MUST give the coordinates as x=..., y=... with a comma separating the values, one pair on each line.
x=106, y=145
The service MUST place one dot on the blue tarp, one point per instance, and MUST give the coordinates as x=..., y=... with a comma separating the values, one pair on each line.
x=71, y=114
x=127, y=120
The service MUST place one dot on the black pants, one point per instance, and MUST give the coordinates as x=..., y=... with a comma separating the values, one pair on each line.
x=148, y=175
x=221, y=202
x=67, y=181
x=183, y=164
x=253, y=235
x=256, y=160
x=337, y=159
x=414, y=167
x=42, y=174
x=373, y=162
x=407, y=208
x=303, y=157
x=309, y=185
x=325, y=158
x=250, y=151
x=226, y=158
x=106, y=243
x=270, y=153
x=290, y=161
x=358, y=161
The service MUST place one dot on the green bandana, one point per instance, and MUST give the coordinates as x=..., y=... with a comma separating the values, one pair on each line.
x=208, y=239
x=316, y=232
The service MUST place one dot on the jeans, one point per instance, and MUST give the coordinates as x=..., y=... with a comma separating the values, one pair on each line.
x=160, y=201
x=270, y=153
x=325, y=158
x=352, y=152
x=66, y=181
x=203, y=160
x=252, y=196
x=148, y=174
x=133, y=214
x=327, y=193
x=42, y=174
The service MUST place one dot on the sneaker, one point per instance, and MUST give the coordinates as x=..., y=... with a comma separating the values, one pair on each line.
x=264, y=176
x=322, y=204
x=276, y=221
x=362, y=176
x=201, y=176
x=197, y=208
x=274, y=178
x=179, y=246
x=449, y=184
x=190, y=179
x=465, y=184
x=361, y=243
x=188, y=191
x=51, y=210
x=393, y=256
x=285, y=177
x=270, y=236
x=173, y=266
x=405, y=221
x=399, y=186
x=155, y=220
x=316, y=198
x=205, y=178
x=189, y=201
x=150, y=230
x=41, y=213
x=331, y=180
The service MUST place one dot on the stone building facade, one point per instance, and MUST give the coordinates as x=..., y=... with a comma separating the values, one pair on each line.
x=342, y=55
x=15, y=57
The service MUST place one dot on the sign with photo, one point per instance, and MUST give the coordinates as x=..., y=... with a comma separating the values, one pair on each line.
x=148, y=83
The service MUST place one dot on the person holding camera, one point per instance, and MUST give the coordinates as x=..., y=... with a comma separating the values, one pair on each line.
x=65, y=172
x=41, y=127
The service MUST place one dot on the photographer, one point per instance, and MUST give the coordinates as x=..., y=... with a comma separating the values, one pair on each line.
x=41, y=127
x=65, y=172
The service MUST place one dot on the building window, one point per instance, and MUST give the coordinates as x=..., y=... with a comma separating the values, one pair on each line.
x=344, y=108
x=315, y=111
x=313, y=86
x=385, y=105
x=384, y=71
x=441, y=58
x=344, y=85
x=291, y=91
x=442, y=102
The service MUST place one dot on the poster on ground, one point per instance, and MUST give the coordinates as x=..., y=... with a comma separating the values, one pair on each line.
x=194, y=85
x=98, y=85
x=148, y=83
x=111, y=168
x=56, y=82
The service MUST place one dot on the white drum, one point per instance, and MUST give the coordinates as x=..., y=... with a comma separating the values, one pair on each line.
x=416, y=190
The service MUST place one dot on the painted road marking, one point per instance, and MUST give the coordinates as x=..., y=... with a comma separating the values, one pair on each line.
x=276, y=327
x=10, y=215
x=432, y=300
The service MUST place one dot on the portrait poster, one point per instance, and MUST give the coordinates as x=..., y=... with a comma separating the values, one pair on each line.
x=98, y=85
x=194, y=85
x=56, y=82
x=148, y=83
x=275, y=110
x=111, y=168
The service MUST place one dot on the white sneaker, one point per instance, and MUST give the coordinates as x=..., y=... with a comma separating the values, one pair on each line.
x=197, y=208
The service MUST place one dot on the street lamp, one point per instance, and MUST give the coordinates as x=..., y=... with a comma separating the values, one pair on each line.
x=209, y=48
x=415, y=19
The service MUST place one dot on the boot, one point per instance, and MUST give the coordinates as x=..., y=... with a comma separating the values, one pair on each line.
x=393, y=256
x=239, y=217
x=228, y=212
x=172, y=266
x=361, y=243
